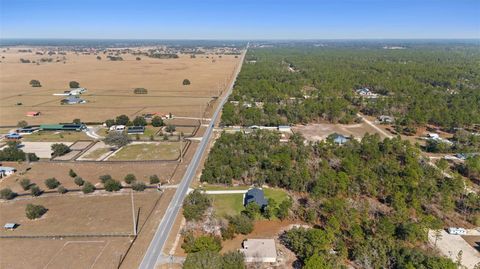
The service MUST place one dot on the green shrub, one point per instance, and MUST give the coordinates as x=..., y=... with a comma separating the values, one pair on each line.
x=154, y=179
x=52, y=183
x=138, y=186
x=35, y=191
x=88, y=187
x=35, y=211
x=79, y=181
x=62, y=190
x=7, y=194
x=25, y=183
x=130, y=178
x=104, y=178
x=112, y=185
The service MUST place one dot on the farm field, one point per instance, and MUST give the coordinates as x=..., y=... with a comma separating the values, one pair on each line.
x=78, y=213
x=106, y=81
x=148, y=151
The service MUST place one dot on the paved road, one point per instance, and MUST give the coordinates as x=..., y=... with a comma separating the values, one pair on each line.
x=154, y=251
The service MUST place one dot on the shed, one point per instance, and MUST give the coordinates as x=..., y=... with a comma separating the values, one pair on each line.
x=27, y=130
x=255, y=195
x=10, y=226
x=339, y=139
x=259, y=250
x=33, y=113
x=6, y=171
x=136, y=130
x=284, y=129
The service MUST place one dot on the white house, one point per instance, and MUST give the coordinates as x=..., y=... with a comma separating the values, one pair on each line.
x=6, y=171
x=259, y=250
x=457, y=231
x=117, y=128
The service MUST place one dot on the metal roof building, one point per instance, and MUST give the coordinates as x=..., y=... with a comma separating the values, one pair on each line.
x=255, y=195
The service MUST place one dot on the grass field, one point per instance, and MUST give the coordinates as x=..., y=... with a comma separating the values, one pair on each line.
x=149, y=131
x=148, y=151
x=46, y=136
x=231, y=204
x=107, y=81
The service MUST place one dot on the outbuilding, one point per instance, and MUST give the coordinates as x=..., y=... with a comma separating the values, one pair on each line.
x=13, y=136
x=457, y=231
x=6, y=171
x=339, y=139
x=259, y=250
x=136, y=130
x=10, y=226
x=33, y=113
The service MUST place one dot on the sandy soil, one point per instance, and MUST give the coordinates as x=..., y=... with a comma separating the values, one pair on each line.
x=320, y=131
x=110, y=86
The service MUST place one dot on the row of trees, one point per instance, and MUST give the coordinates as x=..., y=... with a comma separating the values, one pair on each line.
x=372, y=200
x=13, y=153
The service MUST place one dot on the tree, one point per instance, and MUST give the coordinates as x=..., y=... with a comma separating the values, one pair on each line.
x=110, y=122
x=35, y=83
x=88, y=187
x=283, y=209
x=228, y=232
x=252, y=210
x=140, y=91
x=79, y=181
x=117, y=139
x=195, y=205
x=170, y=128
x=35, y=211
x=74, y=84
x=138, y=58
x=59, y=149
x=242, y=223
x=201, y=243
x=35, y=190
x=138, y=186
x=112, y=185
x=233, y=260
x=22, y=124
x=52, y=183
x=62, y=190
x=122, y=120
x=99, y=57
x=77, y=121
x=130, y=178
x=7, y=194
x=139, y=121
x=25, y=183
x=157, y=121
x=104, y=178
x=72, y=173
x=203, y=260
x=154, y=179
x=186, y=82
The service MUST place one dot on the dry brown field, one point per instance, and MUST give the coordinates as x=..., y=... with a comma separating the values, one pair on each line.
x=110, y=86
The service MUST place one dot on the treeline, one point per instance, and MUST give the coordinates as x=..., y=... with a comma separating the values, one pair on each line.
x=371, y=200
x=429, y=84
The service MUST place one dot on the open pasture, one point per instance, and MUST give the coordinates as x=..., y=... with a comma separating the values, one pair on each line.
x=110, y=86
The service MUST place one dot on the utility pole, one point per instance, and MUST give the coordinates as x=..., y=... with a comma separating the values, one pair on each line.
x=133, y=215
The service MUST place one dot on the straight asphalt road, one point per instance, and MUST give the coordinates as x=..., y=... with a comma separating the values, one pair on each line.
x=154, y=251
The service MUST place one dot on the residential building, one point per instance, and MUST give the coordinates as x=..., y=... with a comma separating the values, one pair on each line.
x=10, y=226
x=6, y=171
x=339, y=139
x=255, y=195
x=259, y=250
x=13, y=136
x=457, y=231
x=136, y=130
x=386, y=119
x=72, y=100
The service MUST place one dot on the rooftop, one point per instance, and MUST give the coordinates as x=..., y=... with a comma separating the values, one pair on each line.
x=259, y=250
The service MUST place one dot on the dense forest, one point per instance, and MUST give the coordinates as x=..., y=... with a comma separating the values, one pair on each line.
x=370, y=201
x=436, y=84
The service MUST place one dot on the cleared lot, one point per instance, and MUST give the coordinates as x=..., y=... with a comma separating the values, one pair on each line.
x=41, y=149
x=451, y=245
x=320, y=131
x=148, y=151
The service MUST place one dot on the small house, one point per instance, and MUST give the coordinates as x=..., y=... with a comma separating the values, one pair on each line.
x=259, y=250
x=339, y=139
x=255, y=195
x=6, y=171
x=27, y=130
x=10, y=226
x=284, y=129
x=13, y=136
x=72, y=100
x=136, y=130
x=433, y=136
x=385, y=119
x=457, y=231
x=118, y=128
x=33, y=113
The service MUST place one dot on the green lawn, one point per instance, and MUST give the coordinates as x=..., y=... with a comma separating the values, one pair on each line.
x=148, y=151
x=232, y=204
x=97, y=153
x=55, y=136
x=149, y=131
x=227, y=204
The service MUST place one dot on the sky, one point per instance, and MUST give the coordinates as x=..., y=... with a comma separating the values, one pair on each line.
x=240, y=19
